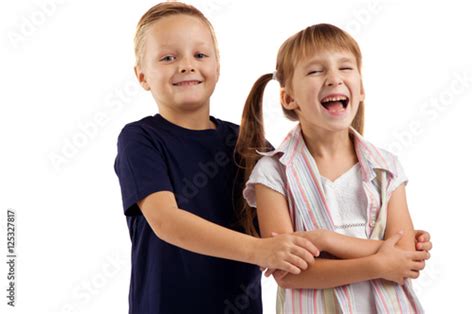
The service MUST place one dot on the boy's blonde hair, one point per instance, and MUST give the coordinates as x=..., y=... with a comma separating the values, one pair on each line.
x=166, y=9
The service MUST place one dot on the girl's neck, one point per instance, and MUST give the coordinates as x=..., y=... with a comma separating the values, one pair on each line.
x=193, y=120
x=328, y=145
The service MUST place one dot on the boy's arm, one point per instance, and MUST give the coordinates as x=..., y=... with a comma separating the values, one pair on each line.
x=183, y=229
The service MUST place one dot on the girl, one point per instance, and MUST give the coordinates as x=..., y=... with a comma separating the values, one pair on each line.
x=326, y=179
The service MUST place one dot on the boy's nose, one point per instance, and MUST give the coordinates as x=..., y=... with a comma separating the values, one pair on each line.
x=186, y=66
x=184, y=70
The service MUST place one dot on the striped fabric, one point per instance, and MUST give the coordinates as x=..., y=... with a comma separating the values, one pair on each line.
x=309, y=211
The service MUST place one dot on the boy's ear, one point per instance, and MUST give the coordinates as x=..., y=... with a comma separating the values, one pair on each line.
x=286, y=100
x=141, y=77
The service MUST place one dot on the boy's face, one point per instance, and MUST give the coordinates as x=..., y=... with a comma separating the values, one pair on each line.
x=179, y=63
x=327, y=90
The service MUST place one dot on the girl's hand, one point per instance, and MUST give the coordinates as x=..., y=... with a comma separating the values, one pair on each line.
x=396, y=264
x=286, y=252
x=422, y=241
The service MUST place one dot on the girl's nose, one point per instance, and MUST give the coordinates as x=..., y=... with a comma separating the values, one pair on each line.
x=333, y=79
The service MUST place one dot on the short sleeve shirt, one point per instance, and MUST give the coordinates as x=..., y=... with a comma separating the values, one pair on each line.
x=198, y=166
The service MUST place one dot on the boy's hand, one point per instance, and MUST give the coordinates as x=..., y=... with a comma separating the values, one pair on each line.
x=286, y=252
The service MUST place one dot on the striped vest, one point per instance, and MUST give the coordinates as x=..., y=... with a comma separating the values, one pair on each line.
x=309, y=211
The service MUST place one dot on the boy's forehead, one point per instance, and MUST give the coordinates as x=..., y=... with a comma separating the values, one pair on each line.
x=174, y=29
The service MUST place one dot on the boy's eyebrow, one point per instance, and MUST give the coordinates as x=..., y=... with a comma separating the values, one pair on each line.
x=172, y=45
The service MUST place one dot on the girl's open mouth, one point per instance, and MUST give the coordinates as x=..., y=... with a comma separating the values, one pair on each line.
x=335, y=103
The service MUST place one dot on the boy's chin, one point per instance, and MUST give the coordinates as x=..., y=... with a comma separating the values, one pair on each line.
x=192, y=104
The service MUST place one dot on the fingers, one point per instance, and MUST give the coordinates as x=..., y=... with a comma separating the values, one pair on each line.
x=304, y=254
x=281, y=274
x=419, y=255
x=424, y=246
x=290, y=268
x=418, y=265
x=270, y=272
x=413, y=274
x=298, y=262
x=306, y=244
x=422, y=236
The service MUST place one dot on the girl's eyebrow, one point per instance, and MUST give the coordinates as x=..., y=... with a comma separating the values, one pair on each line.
x=346, y=59
x=313, y=62
x=319, y=62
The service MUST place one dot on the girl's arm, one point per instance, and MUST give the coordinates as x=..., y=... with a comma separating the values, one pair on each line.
x=176, y=226
x=340, y=245
x=398, y=218
x=390, y=262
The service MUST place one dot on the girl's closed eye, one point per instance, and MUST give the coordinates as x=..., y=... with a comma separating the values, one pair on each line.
x=346, y=68
x=314, y=72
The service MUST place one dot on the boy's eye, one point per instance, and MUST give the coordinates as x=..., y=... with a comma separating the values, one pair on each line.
x=346, y=68
x=167, y=58
x=200, y=55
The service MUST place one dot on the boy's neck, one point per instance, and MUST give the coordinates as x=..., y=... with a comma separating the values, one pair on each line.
x=192, y=120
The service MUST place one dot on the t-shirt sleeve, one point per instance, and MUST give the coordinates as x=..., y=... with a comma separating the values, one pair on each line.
x=269, y=172
x=399, y=177
x=140, y=167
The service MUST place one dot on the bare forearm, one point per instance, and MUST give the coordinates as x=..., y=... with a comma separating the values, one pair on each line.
x=343, y=246
x=193, y=233
x=347, y=247
x=330, y=273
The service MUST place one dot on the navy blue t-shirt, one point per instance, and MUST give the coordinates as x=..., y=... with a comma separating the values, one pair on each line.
x=198, y=167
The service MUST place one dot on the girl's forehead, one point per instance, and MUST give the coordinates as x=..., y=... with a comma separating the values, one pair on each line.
x=324, y=56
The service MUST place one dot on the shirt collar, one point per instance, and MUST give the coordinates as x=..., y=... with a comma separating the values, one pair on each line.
x=369, y=156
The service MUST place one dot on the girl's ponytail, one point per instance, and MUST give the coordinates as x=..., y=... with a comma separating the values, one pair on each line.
x=252, y=138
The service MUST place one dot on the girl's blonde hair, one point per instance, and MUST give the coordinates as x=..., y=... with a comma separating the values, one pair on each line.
x=166, y=9
x=307, y=42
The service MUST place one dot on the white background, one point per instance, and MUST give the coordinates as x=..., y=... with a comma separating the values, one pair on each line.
x=67, y=89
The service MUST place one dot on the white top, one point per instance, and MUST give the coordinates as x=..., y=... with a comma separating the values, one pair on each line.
x=347, y=203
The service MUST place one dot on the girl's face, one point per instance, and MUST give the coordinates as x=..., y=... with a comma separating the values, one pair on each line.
x=326, y=90
x=179, y=64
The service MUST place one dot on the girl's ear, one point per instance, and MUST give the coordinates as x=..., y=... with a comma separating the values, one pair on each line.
x=362, y=92
x=286, y=100
x=141, y=77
